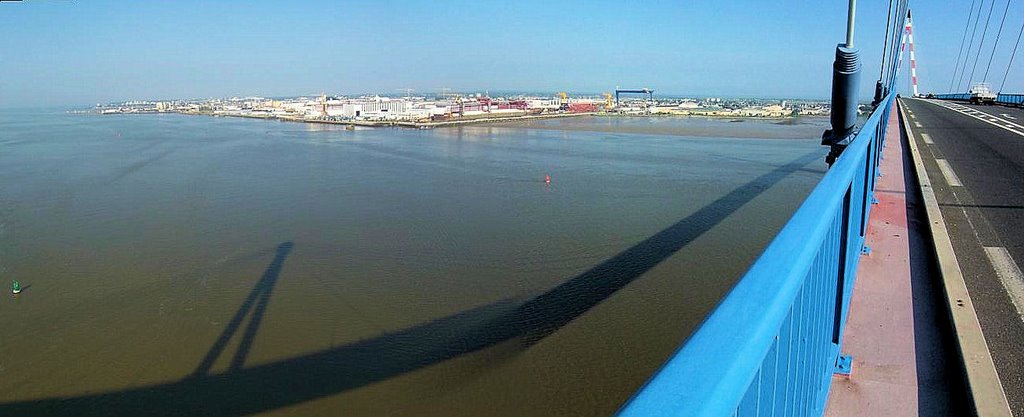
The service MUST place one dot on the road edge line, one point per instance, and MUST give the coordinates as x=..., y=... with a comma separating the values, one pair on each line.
x=983, y=384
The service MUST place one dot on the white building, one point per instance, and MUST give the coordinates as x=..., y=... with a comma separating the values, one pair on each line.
x=372, y=107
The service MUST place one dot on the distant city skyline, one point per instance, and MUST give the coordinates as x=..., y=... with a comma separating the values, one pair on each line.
x=82, y=53
x=464, y=93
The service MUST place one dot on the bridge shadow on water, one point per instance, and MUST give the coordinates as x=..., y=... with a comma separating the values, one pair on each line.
x=246, y=390
x=260, y=295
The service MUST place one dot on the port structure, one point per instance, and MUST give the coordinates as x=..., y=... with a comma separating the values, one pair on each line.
x=648, y=91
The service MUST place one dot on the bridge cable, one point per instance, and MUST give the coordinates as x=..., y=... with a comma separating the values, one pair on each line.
x=999, y=32
x=967, y=26
x=1011, y=56
x=892, y=43
x=887, y=51
x=892, y=52
x=982, y=43
x=897, y=32
x=970, y=45
x=885, y=46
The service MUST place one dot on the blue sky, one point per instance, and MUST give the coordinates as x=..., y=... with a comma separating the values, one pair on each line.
x=62, y=52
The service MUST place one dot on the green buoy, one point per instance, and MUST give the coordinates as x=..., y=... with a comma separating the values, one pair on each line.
x=15, y=287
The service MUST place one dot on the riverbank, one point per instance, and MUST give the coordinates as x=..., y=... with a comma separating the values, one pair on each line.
x=485, y=119
x=800, y=127
x=397, y=123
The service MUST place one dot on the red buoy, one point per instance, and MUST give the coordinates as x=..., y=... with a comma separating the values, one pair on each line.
x=547, y=179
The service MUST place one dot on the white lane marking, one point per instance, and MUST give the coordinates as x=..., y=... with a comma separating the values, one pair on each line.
x=1010, y=275
x=916, y=124
x=912, y=116
x=927, y=139
x=1009, y=123
x=992, y=118
x=947, y=171
x=940, y=104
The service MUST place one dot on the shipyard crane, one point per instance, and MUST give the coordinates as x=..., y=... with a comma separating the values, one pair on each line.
x=563, y=100
x=608, y=103
x=649, y=92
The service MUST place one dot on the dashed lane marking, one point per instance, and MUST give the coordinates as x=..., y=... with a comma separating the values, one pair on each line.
x=1009, y=274
x=947, y=171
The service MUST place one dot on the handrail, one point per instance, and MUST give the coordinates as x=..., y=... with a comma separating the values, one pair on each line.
x=772, y=343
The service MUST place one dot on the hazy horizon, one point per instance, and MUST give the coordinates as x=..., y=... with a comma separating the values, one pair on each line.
x=73, y=53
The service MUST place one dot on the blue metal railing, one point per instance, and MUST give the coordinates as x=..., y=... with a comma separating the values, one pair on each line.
x=953, y=96
x=1007, y=99
x=770, y=347
x=1013, y=99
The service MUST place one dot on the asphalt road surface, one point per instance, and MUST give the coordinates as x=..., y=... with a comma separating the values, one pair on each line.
x=974, y=156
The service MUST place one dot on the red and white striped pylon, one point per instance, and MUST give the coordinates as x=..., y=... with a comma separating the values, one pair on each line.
x=908, y=36
x=913, y=61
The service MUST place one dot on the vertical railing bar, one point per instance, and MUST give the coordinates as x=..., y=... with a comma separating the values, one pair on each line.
x=841, y=276
x=815, y=369
x=807, y=348
x=775, y=377
x=829, y=291
x=801, y=382
x=768, y=381
x=790, y=363
x=757, y=401
x=864, y=200
x=795, y=354
x=813, y=330
x=829, y=282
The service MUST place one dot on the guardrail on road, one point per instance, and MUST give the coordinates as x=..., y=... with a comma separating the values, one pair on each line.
x=1007, y=99
x=1011, y=99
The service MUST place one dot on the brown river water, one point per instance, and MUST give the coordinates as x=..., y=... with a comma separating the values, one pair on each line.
x=190, y=265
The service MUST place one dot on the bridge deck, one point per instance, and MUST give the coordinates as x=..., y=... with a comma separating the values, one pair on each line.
x=896, y=330
x=975, y=158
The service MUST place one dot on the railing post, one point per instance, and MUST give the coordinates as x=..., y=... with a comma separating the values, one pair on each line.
x=880, y=93
x=845, y=80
